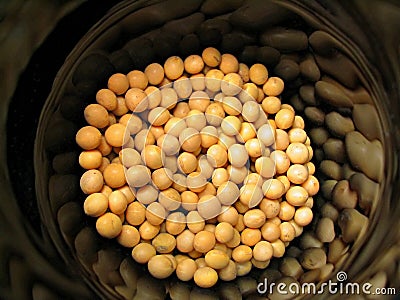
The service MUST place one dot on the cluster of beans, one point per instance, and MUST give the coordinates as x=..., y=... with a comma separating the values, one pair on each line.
x=207, y=187
x=323, y=83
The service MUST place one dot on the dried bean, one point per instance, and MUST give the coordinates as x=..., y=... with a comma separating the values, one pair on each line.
x=65, y=163
x=290, y=266
x=271, y=274
x=358, y=95
x=310, y=276
x=313, y=258
x=337, y=248
x=332, y=95
x=325, y=230
x=129, y=273
x=325, y=272
x=323, y=43
x=149, y=288
x=367, y=190
x=121, y=61
x=248, y=55
x=335, y=150
x=60, y=136
x=338, y=125
x=209, y=37
x=268, y=56
x=165, y=45
x=335, y=65
x=62, y=189
x=309, y=240
x=247, y=285
x=230, y=291
x=95, y=67
x=366, y=120
x=365, y=156
x=283, y=39
x=297, y=103
x=315, y=115
x=70, y=219
x=141, y=51
x=307, y=94
x=331, y=169
x=329, y=211
x=189, y=44
x=71, y=108
x=294, y=56
x=309, y=69
x=86, y=245
x=347, y=171
x=179, y=290
x=319, y=135
x=351, y=222
x=343, y=196
x=287, y=69
x=231, y=43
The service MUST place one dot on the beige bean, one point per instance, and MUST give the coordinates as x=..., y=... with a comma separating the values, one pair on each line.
x=310, y=276
x=338, y=125
x=334, y=149
x=319, y=135
x=367, y=190
x=293, y=251
x=331, y=169
x=325, y=230
x=323, y=42
x=333, y=65
x=148, y=287
x=351, y=223
x=247, y=285
x=343, y=196
x=329, y=211
x=287, y=69
x=179, y=290
x=336, y=249
x=286, y=40
x=365, y=156
x=309, y=69
x=315, y=115
x=309, y=240
x=307, y=94
x=327, y=188
x=347, y=171
x=290, y=266
x=229, y=290
x=326, y=272
x=332, y=95
x=313, y=258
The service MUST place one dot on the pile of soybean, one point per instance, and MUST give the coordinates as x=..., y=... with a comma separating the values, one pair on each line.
x=198, y=166
x=321, y=83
